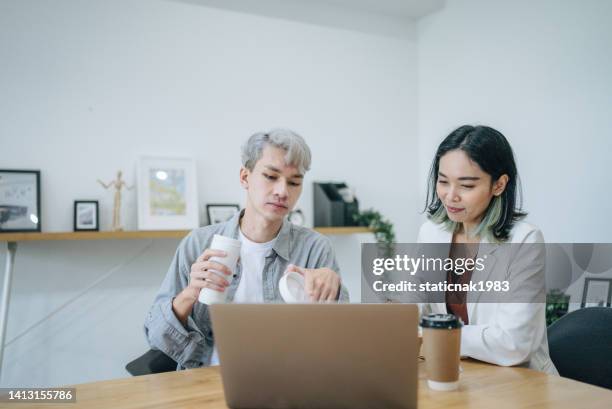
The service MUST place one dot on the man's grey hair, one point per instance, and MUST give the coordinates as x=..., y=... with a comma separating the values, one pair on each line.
x=297, y=152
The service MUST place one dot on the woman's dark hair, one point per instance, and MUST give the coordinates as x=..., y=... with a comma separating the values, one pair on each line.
x=490, y=150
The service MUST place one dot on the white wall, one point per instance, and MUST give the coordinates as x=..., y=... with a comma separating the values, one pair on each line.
x=538, y=71
x=89, y=86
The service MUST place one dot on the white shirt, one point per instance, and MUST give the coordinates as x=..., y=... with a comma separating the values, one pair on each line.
x=250, y=288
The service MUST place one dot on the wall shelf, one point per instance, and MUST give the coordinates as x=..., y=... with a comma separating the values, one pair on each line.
x=142, y=234
x=331, y=231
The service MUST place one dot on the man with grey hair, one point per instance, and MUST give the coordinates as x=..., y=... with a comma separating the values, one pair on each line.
x=272, y=174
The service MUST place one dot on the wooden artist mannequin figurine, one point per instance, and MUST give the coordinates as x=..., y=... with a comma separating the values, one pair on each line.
x=118, y=184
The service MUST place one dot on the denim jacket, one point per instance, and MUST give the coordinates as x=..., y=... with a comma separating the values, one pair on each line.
x=192, y=345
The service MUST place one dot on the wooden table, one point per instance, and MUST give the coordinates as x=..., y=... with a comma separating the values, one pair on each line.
x=482, y=386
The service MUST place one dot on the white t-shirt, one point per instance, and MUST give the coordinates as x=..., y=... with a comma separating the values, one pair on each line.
x=250, y=289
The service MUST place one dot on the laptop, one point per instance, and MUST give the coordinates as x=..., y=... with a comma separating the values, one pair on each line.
x=278, y=356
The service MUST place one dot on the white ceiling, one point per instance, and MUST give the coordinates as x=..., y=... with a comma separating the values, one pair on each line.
x=383, y=17
x=412, y=9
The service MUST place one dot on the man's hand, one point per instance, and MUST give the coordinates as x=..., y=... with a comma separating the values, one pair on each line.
x=200, y=277
x=322, y=284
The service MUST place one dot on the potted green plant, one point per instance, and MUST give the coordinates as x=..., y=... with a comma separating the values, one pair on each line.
x=557, y=304
x=381, y=227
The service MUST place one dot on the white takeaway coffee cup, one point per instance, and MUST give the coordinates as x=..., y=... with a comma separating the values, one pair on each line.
x=232, y=249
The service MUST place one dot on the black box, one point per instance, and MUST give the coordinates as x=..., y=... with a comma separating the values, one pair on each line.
x=330, y=209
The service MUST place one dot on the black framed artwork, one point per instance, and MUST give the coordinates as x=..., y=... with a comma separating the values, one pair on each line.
x=219, y=213
x=86, y=215
x=19, y=200
x=597, y=292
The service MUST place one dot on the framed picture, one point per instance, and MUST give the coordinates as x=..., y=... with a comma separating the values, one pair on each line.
x=86, y=216
x=597, y=292
x=167, y=194
x=19, y=200
x=219, y=213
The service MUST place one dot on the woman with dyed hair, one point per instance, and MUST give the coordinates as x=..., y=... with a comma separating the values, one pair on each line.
x=473, y=204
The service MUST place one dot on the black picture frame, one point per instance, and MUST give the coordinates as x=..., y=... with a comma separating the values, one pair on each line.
x=17, y=199
x=585, y=292
x=94, y=222
x=224, y=212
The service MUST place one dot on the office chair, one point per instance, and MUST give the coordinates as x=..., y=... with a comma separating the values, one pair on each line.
x=580, y=345
x=152, y=361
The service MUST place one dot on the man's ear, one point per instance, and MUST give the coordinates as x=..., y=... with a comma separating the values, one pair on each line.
x=500, y=185
x=244, y=177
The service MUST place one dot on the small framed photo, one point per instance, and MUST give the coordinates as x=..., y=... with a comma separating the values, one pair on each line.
x=597, y=292
x=86, y=215
x=19, y=200
x=167, y=194
x=219, y=213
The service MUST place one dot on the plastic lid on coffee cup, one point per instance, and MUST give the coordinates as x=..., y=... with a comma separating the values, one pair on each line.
x=292, y=287
x=444, y=321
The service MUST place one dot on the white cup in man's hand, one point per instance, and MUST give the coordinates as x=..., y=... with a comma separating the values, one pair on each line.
x=231, y=247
